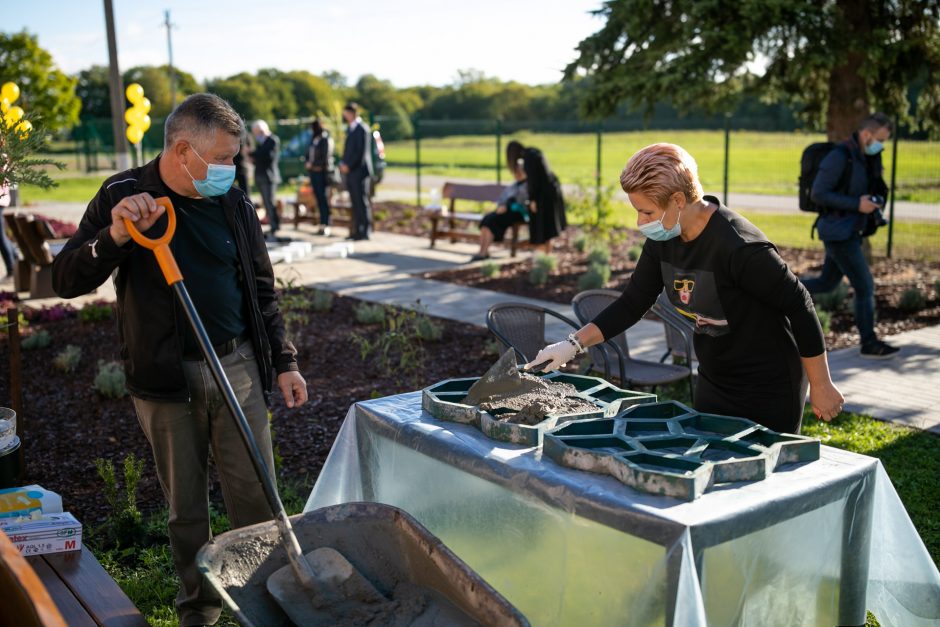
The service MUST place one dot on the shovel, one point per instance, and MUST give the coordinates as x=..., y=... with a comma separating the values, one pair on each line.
x=326, y=577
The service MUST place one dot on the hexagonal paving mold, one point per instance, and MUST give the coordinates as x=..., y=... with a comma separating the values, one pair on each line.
x=444, y=401
x=667, y=448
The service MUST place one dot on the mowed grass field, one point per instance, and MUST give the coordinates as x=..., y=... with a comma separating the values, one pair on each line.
x=760, y=163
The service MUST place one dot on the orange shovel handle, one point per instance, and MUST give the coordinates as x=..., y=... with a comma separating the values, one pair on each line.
x=161, y=245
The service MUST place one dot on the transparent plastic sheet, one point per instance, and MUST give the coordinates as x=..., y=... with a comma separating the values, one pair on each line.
x=570, y=547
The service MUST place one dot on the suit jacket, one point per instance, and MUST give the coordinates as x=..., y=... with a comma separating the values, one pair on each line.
x=266, y=156
x=357, y=153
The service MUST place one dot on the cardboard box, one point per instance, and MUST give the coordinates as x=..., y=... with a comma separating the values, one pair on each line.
x=50, y=533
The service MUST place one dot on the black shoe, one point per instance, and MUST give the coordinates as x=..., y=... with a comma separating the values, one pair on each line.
x=478, y=258
x=878, y=350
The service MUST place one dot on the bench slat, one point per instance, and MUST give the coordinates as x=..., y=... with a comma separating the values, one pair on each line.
x=97, y=591
x=488, y=192
x=72, y=611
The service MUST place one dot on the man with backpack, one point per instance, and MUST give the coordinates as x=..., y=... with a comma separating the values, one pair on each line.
x=848, y=191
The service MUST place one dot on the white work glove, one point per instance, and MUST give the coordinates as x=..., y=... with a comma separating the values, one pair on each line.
x=559, y=353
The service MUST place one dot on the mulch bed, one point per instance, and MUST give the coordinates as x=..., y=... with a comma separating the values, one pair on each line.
x=68, y=424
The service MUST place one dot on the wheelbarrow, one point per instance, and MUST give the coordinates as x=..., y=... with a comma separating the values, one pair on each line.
x=399, y=573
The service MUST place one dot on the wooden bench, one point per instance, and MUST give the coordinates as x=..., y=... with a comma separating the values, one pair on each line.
x=38, y=246
x=447, y=222
x=56, y=589
x=305, y=207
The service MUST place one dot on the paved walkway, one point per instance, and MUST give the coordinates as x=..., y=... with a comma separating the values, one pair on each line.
x=387, y=269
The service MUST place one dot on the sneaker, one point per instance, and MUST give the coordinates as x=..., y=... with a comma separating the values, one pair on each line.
x=325, y=232
x=878, y=350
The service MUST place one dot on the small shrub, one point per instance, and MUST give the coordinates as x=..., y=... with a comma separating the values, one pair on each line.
x=538, y=275
x=5, y=320
x=55, y=313
x=110, y=379
x=39, y=339
x=595, y=278
x=547, y=262
x=367, y=313
x=409, y=213
x=912, y=300
x=634, y=252
x=124, y=526
x=833, y=301
x=581, y=242
x=96, y=311
x=825, y=319
x=490, y=269
x=427, y=329
x=322, y=300
x=599, y=256
x=67, y=359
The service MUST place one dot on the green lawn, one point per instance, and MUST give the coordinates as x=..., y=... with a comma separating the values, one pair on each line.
x=760, y=163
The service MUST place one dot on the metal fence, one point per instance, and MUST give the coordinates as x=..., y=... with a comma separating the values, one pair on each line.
x=750, y=162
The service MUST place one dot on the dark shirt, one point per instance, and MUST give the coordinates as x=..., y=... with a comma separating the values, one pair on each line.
x=754, y=318
x=206, y=255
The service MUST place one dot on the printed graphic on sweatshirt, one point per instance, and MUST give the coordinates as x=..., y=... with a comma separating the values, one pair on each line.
x=694, y=294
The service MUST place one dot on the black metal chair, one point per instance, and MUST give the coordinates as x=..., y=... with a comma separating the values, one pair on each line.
x=521, y=326
x=679, y=330
x=630, y=371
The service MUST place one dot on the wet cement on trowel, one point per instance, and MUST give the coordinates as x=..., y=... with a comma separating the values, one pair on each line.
x=522, y=398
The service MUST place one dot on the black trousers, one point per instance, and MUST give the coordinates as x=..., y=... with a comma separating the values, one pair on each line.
x=358, y=185
x=266, y=189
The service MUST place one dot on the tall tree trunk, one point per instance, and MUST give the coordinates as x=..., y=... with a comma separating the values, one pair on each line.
x=848, y=91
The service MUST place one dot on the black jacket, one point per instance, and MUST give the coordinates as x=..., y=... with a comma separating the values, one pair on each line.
x=837, y=191
x=266, y=157
x=320, y=153
x=150, y=320
x=357, y=152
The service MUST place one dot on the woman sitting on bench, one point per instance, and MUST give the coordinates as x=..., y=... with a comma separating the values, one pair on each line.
x=511, y=207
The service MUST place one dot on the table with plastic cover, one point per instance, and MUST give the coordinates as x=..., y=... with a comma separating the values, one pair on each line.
x=813, y=544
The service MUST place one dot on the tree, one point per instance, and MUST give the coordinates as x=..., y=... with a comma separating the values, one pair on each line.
x=245, y=93
x=833, y=60
x=311, y=93
x=46, y=91
x=94, y=92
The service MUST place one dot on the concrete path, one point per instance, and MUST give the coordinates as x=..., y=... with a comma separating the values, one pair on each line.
x=387, y=269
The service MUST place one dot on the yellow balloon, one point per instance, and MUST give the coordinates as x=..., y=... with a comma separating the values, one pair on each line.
x=13, y=116
x=145, y=123
x=134, y=116
x=134, y=134
x=23, y=128
x=10, y=91
x=144, y=105
x=134, y=92
x=4, y=104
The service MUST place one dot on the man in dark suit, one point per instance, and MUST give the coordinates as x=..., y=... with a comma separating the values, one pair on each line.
x=267, y=174
x=356, y=167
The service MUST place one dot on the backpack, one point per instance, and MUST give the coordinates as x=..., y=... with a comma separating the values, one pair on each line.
x=809, y=168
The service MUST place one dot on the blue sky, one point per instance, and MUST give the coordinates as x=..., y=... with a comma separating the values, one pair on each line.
x=408, y=42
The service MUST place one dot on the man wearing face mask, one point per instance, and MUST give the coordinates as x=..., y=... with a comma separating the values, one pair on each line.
x=265, y=156
x=221, y=253
x=850, y=191
x=757, y=336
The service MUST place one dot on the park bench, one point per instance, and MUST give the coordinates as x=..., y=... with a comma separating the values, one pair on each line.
x=68, y=588
x=305, y=209
x=38, y=246
x=447, y=222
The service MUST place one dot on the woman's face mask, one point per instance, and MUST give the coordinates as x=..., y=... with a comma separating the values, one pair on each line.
x=657, y=232
x=219, y=178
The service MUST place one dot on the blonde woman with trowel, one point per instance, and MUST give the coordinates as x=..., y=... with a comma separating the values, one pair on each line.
x=757, y=336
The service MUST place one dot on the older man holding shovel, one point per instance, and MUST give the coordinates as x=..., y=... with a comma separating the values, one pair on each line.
x=221, y=252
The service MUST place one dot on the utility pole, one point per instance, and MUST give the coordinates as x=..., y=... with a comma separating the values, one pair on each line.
x=169, y=47
x=117, y=93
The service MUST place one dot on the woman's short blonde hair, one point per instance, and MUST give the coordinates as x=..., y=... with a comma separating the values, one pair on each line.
x=659, y=171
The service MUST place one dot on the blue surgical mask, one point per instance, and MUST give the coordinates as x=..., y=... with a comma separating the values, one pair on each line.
x=219, y=178
x=659, y=233
x=874, y=147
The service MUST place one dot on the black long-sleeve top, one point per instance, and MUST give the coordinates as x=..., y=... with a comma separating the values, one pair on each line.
x=753, y=316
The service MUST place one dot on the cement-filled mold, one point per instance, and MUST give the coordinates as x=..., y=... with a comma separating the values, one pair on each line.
x=670, y=449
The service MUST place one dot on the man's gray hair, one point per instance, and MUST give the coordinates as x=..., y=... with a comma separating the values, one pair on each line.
x=198, y=117
x=262, y=126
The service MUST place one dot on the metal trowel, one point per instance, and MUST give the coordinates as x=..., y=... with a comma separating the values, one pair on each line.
x=501, y=380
